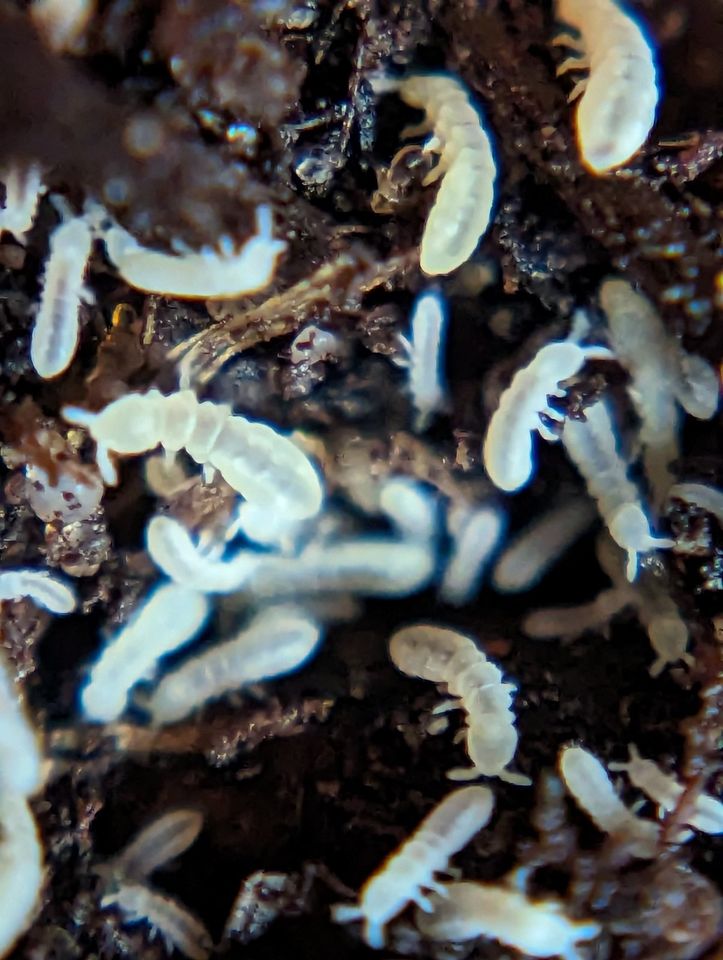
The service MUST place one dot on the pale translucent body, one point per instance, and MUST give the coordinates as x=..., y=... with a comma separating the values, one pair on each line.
x=207, y=274
x=180, y=929
x=56, y=330
x=278, y=641
x=461, y=212
x=263, y=465
x=445, y=656
x=532, y=552
x=169, y=618
x=618, y=107
x=23, y=186
x=593, y=448
x=537, y=928
x=21, y=868
x=475, y=532
x=411, y=508
x=590, y=786
x=411, y=869
x=508, y=451
x=702, y=495
x=571, y=622
x=425, y=357
x=664, y=790
x=162, y=840
x=42, y=587
x=21, y=759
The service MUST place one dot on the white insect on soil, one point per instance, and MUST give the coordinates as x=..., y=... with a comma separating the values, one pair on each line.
x=162, y=840
x=169, y=618
x=664, y=790
x=590, y=786
x=263, y=465
x=450, y=658
x=21, y=758
x=475, y=533
x=278, y=641
x=411, y=869
x=592, y=446
x=461, y=212
x=508, y=449
x=537, y=928
x=205, y=274
x=56, y=330
x=21, y=868
x=424, y=357
x=618, y=106
x=42, y=587
x=177, y=926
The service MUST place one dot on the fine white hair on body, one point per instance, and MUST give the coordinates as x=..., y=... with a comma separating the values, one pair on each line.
x=23, y=186
x=424, y=357
x=508, y=449
x=592, y=446
x=371, y=566
x=42, y=587
x=537, y=928
x=61, y=23
x=588, y=783
x=21, y=759
x=665, y=791
x=411, y=869
x=475, y=533
x=461, y=212
x=21, y=868
x=447, y=657
x=56, y=330
x=169, y=618
x=263, y=465
x=659, y=375
x=278, y=641
x=536, y=548
x=162, y=840
x=618, y=107
x=178, y=927
x=206, y=274
x=701, y=495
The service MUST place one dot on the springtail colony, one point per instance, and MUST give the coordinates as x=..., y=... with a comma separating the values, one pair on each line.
x=224, y=602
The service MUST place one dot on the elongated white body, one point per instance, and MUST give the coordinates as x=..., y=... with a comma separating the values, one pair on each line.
x=23, y=186
x=461, y=213
x=21, y=868
x=508, y=452
x=169, y=618
x=425, y=356
x=475, y=531
x=56, y=330
x=537, y=928
x=207, y=274
x=617, y=109
x=263, y=465
x=42, y=587
x=162, y=840
x=664, y=790
x=411, y=869
x=180, y=929
x=445, y=656
x=592, y=446
x=21, y=759
x=571, y=622
x=590, y=786
x=278, y=641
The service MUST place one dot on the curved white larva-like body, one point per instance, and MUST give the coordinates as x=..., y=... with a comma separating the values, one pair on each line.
x=549, y=623
x=475, y=531
x=206, y=274
x=592, y=446
x=461, y=213
x=664, y=790
x=169, y=618
x=589, y=784
x=537, y=928
x=61, y=23
x=507, y=449
x=445, y=656
x=162, y=840
x=278, y=641
x=21, y=868
x=262, y=464
x=425, y=356
x=56, y=330
x=41, y=586
x=617, y=109
x=21, y=760
x=179, y=928
x=410, y=870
